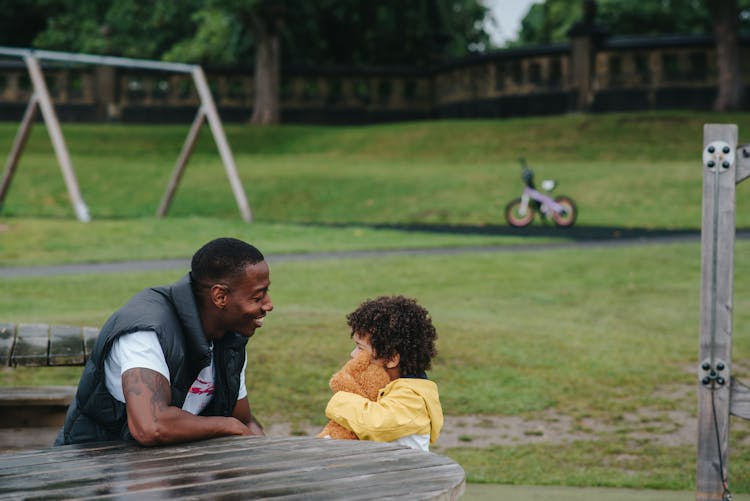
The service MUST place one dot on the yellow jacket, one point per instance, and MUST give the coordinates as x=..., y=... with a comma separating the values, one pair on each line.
x=405, y=407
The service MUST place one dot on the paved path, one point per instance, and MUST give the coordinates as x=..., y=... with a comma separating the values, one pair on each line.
x=184, y=263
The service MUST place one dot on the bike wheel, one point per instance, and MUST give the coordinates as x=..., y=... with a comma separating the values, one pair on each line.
x=513, y=214
x=569, y=214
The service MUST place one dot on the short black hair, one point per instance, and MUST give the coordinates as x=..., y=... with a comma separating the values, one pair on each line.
x=397, y=324
x=220, y=259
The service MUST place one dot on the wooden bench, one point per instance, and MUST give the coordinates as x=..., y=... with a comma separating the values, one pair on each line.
x=40, y=345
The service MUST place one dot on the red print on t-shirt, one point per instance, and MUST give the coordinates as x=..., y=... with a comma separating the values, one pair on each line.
x=202, y=387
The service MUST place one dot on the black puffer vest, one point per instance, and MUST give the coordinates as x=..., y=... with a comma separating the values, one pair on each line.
x=171, y=312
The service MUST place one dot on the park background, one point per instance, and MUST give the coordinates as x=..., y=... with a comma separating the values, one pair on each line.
x=595, y=345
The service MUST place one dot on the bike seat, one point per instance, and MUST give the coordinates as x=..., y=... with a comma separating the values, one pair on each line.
x=548, y=184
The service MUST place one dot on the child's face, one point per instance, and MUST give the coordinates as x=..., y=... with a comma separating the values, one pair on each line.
x=362, y=343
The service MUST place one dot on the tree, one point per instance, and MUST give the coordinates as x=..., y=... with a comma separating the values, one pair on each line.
x=549, y=21
x=248, y=25
x=728, y=58
x=725, y=19
x=116, y=27
x=266, y=22
x=385, y=32
x=267, y=33
x=21, y=21
x=329, y=32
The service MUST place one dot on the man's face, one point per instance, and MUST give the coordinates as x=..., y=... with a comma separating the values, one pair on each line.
x=248, y=300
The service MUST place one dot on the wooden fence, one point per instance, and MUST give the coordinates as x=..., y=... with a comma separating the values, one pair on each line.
x=626, y=74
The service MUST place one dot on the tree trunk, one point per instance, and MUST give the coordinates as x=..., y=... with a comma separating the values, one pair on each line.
x=265, y=21
x=725, y=14
x=266, y=108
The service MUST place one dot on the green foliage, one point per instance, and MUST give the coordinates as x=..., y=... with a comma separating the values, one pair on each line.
x=218, y=38
x=550, y=20
x=117, y=27
x=225, y=31
x=655, y=17
x=21, y=20
x=75, y=26
x=466, y=27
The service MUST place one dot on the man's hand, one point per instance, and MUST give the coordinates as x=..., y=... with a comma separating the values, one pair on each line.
x=255, y=428
x=243, y=413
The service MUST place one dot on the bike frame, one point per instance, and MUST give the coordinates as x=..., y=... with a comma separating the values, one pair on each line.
x=545, y=202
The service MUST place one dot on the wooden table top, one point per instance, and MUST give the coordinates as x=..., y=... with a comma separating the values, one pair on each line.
x=232, y=468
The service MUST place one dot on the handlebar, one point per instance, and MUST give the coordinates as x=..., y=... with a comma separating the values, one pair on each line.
x=527, y=175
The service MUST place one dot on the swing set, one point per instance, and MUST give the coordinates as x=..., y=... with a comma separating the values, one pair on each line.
x=40, y=100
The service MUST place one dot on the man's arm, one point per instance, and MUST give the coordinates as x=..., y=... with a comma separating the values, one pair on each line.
x=243, y=413
x=153, y=421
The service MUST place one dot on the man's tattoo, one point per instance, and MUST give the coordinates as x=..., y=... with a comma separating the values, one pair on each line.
x=159, y=389
x=130, y=383
x=136, y=382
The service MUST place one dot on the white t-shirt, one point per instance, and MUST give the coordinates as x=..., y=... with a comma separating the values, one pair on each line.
x=142, y=350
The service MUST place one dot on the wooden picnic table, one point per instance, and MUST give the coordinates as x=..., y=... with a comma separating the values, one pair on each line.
x=232, y=468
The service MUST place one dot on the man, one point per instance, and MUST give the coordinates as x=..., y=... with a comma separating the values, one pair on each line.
x=169, y=366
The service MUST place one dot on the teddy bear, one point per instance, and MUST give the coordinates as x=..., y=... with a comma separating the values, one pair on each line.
x=357, y=376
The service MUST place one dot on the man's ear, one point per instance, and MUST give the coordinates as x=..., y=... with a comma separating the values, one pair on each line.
x=220, y=295
x=393, y=362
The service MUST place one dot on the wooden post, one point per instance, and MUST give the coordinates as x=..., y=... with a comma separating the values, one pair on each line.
x=182, y=160
x=207, y=105
x=18, y=144
x=717, y=268
x=55, y=134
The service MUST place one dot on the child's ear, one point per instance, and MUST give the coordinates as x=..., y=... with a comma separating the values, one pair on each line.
x=393, y=362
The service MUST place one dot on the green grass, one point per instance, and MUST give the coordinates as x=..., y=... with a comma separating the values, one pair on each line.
x=39, y=241
x=625, y=170
x=594, y=334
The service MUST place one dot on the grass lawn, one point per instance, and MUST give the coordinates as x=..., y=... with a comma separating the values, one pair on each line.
x=597, y=335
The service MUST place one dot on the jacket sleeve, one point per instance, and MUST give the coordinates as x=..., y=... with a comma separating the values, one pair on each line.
x=400, y=413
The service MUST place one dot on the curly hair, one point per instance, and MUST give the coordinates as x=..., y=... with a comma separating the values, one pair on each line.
x=400, y=325
x=222, y=258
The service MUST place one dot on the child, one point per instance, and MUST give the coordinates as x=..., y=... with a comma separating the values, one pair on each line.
x=399, y=336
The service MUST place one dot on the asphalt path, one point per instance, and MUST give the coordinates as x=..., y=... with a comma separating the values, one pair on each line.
x=583, y=239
